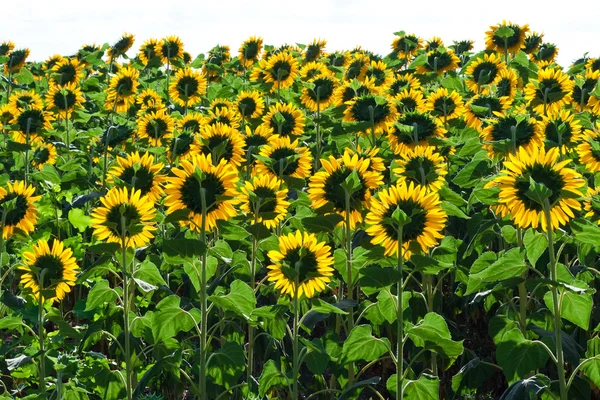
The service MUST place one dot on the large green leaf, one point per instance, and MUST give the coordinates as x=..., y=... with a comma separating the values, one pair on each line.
x=362, y=345
x=169, y=319
x=100, y=295
x=426, y=387
x=432, y=333
x=271, y=376
x=240, y=299
x=519, y=356
x=79, y=220
x=591, y=366
x=574, y=307
x=148, y=272
x=183, y=247
x=374, y=278
x=227, y=364
x=9, y=323
x=471, y=377
x=528, y=388
x=350, y=390
x=585, y=231
x=535, y=243
x=510, y=264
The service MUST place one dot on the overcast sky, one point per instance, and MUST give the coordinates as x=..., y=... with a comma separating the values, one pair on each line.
x=63, y=26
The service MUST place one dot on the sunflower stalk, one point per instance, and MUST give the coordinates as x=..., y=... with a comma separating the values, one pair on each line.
x=27, y=149
x=295, y=360
x=68, y=143
x=126, y=306
x=372, y=119
x=253, y=286
x=349, y=283
x=41, y=335
x=203, y=297
x=522, y=289
x=318, y=128
x=400, y=319
x=556, y=302
x=104, y=166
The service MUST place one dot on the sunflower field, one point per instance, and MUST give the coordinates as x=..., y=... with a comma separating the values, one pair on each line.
x=291, y=223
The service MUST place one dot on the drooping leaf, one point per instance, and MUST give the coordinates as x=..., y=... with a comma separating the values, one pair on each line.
x=240, y=299
x=227, y=364
x=433, y=334
x=519, y=356
x=426, y=387
x=271, y=376
x=362, y=345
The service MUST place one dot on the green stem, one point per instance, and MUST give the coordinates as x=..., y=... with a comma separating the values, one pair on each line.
x=203, y=298
x=42, y=376
x=554, y=289
x=295, y=360
x=522, y=290
x=400, y=320
x=125, y=272
x=27, y=149
x=349, y=280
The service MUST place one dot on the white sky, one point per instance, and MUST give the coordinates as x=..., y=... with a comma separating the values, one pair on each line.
x=63, y=26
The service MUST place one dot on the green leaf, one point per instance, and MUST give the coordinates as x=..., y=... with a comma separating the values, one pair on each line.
x=591, y=368
x=352, y=183
x=585, y=231
x=16, y=146
x=148, y=272
x=362, y=345
x=374, y=278
x=169, y=319
x=47, y=174
x=509, y=265
x=227, y=364
x=323, y=307
x=535, y=243
x=229, y=231
x=271, y=376
x=424, y=388
x=472, y=173
x=100, y=295
x=10, y=323
x=528, y=388
x=432, y=333
x=575, y=307
x=388, y=304
x=519, y=356
x=79, y=220
x=429, y=265
x=316, y=358
x=186, y=248
x=322, y=223
x=504, y=32
x=347, y=393
x=453, y=210
x=509, y=233
x=538, y=192
x=240, y=299
x=179, y=215
x=471, y=377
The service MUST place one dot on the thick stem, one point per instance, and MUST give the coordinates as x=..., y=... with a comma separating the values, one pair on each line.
x=430, y=298
x=27, y=149
x=125, y=272
x=203, y=298
x=349, y=280
x=295, y=360
x=42, y=376
x=400, y=320
x=522, y=290
x=555, y=300
x=250, y=327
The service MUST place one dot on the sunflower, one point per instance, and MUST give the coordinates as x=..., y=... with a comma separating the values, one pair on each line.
x=259, y=72
x=381, y=75
x=85, y=51
x=321, y=95
x=550, y=92
x=56, y=267
x=544, y=168
x=287, y=158
x=225, y=116
x=147, y=51
x=258, y=137
x=372, y=154
x=22, y=214
x=125, y=83
x=24, y=99
x=218, y=184
x=545, y=55
x=121, y=46
x=406, y=45
x=51, y=62
x=591, y=205
x=483, y=71
x=187, y=87
x=31, y=121
x=121, y=104
x=250, y=104
x=584, y=86
x=357, y=67
x=560, y=130
x=149, y=98
x=314, y=69
x=532, y=42
x=594, y=104
x=216, y=57
x=589, y=149
x=66, y=71
x=7, y=114
x=427, y=219
x=413, y=129
x=222, y=142
x=403, y=82
x=510, y=44
x=410, y=100
x=63, y=100
x=482, y=107
x=250, y=51
x=139, y=173
x=422, y=166
x=462, y=46
x=16, y=61
x=192, y=123
x=285, y=120
x=593, y=64
x=303, y=261
x=325, y=187
x=314, y=50
x=264, y=200
x=444, y=105
x=43, y=153
x=156, y=127
x=6, y=47
x=439, y=61
x=219, y=103
x=350, y=90
x=128, y=209
x=337, y=59
x=506, y=85
x=377, y=110
x=433, y=44
x=281, y=70
x=508, y=133
x=169, y=49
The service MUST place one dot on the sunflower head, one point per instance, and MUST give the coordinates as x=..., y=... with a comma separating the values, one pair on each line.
x=410, y=100
x=250, y=104
x=285, y=157
x=264, y=199
x=377, y=110
x=509, y=133
x=439, y=61
x=589, y=149
x=584, y=86
x=16, y=205
x=507, y=37
x=224, y=116
x=403, y=82
x=156, y=127
x=169, y=49
x=314, y=49
x=6, y=47
x=591, y=205
x=532, y=42
x=138, y=173
x=52, y=61
x=484, y=71
x=482, y=107
x=433, y=44
x=205, y=190
x=32, y=121
x=125, y=217
x=423, y=166
x=125, y=83
x=256, y=138
x=550, y=91
x=16, y=61
x=405, y=46
x=147, y=51
x=43, y=153
x=301, y=266
x=541, y=168
x=356, y=67
x=149, y=98
x=20, y=100
x=250, y=50
x=444, y=105
x=318, y=94
x=285, y=120
x=64, y=100
x=462, y=46
x=419, y=229
x=49, y=272
x=545, y=54
x=188, y=87
x=560, y=130
x=222, y=142
x=281, y=70
x=121, y=46
x=66, y=71
x=413, y=129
